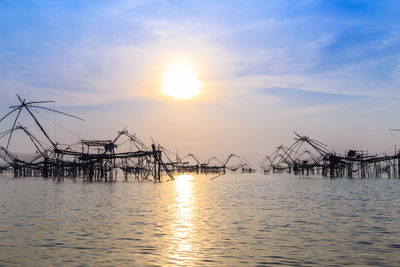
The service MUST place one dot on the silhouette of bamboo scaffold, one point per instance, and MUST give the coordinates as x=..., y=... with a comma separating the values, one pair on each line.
x=316, y=159
x=57, y=162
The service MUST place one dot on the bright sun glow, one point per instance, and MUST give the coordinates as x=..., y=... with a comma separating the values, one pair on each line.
x=180, y=81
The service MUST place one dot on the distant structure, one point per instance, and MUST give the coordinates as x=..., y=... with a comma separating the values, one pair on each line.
x=307, y=156
x=192, y=164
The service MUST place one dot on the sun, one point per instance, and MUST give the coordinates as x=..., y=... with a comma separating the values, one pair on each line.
x=180, y=81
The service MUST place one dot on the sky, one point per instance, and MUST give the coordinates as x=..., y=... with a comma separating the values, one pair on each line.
x=326, y=69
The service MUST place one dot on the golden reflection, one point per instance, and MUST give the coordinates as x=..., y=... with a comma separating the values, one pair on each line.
x=183, y=226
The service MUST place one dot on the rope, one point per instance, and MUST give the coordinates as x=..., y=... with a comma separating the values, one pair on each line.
x=55, y=123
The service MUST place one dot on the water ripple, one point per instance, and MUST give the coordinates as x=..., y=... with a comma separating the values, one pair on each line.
x=233, y=220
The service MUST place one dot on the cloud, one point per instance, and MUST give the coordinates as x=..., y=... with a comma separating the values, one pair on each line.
x=102, y=52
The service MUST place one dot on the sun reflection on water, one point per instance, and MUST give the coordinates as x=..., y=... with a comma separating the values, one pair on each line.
x=182, y=225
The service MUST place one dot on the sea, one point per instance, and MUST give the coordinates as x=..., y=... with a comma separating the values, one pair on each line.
x=232, y=220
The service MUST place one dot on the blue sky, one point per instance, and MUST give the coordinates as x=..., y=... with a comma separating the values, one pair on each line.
x=330, y=69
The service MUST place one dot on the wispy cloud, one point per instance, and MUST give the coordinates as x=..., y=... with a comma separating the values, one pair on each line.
x=105, y=48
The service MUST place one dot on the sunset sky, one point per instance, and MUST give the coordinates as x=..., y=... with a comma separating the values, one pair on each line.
x=327, y=69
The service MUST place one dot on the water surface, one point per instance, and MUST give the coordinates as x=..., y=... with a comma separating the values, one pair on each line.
x=232, y=220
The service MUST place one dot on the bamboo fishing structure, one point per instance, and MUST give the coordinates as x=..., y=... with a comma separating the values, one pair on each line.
x=98, y=160
x=307, y=157
x=193, y=164
x=101, y=160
